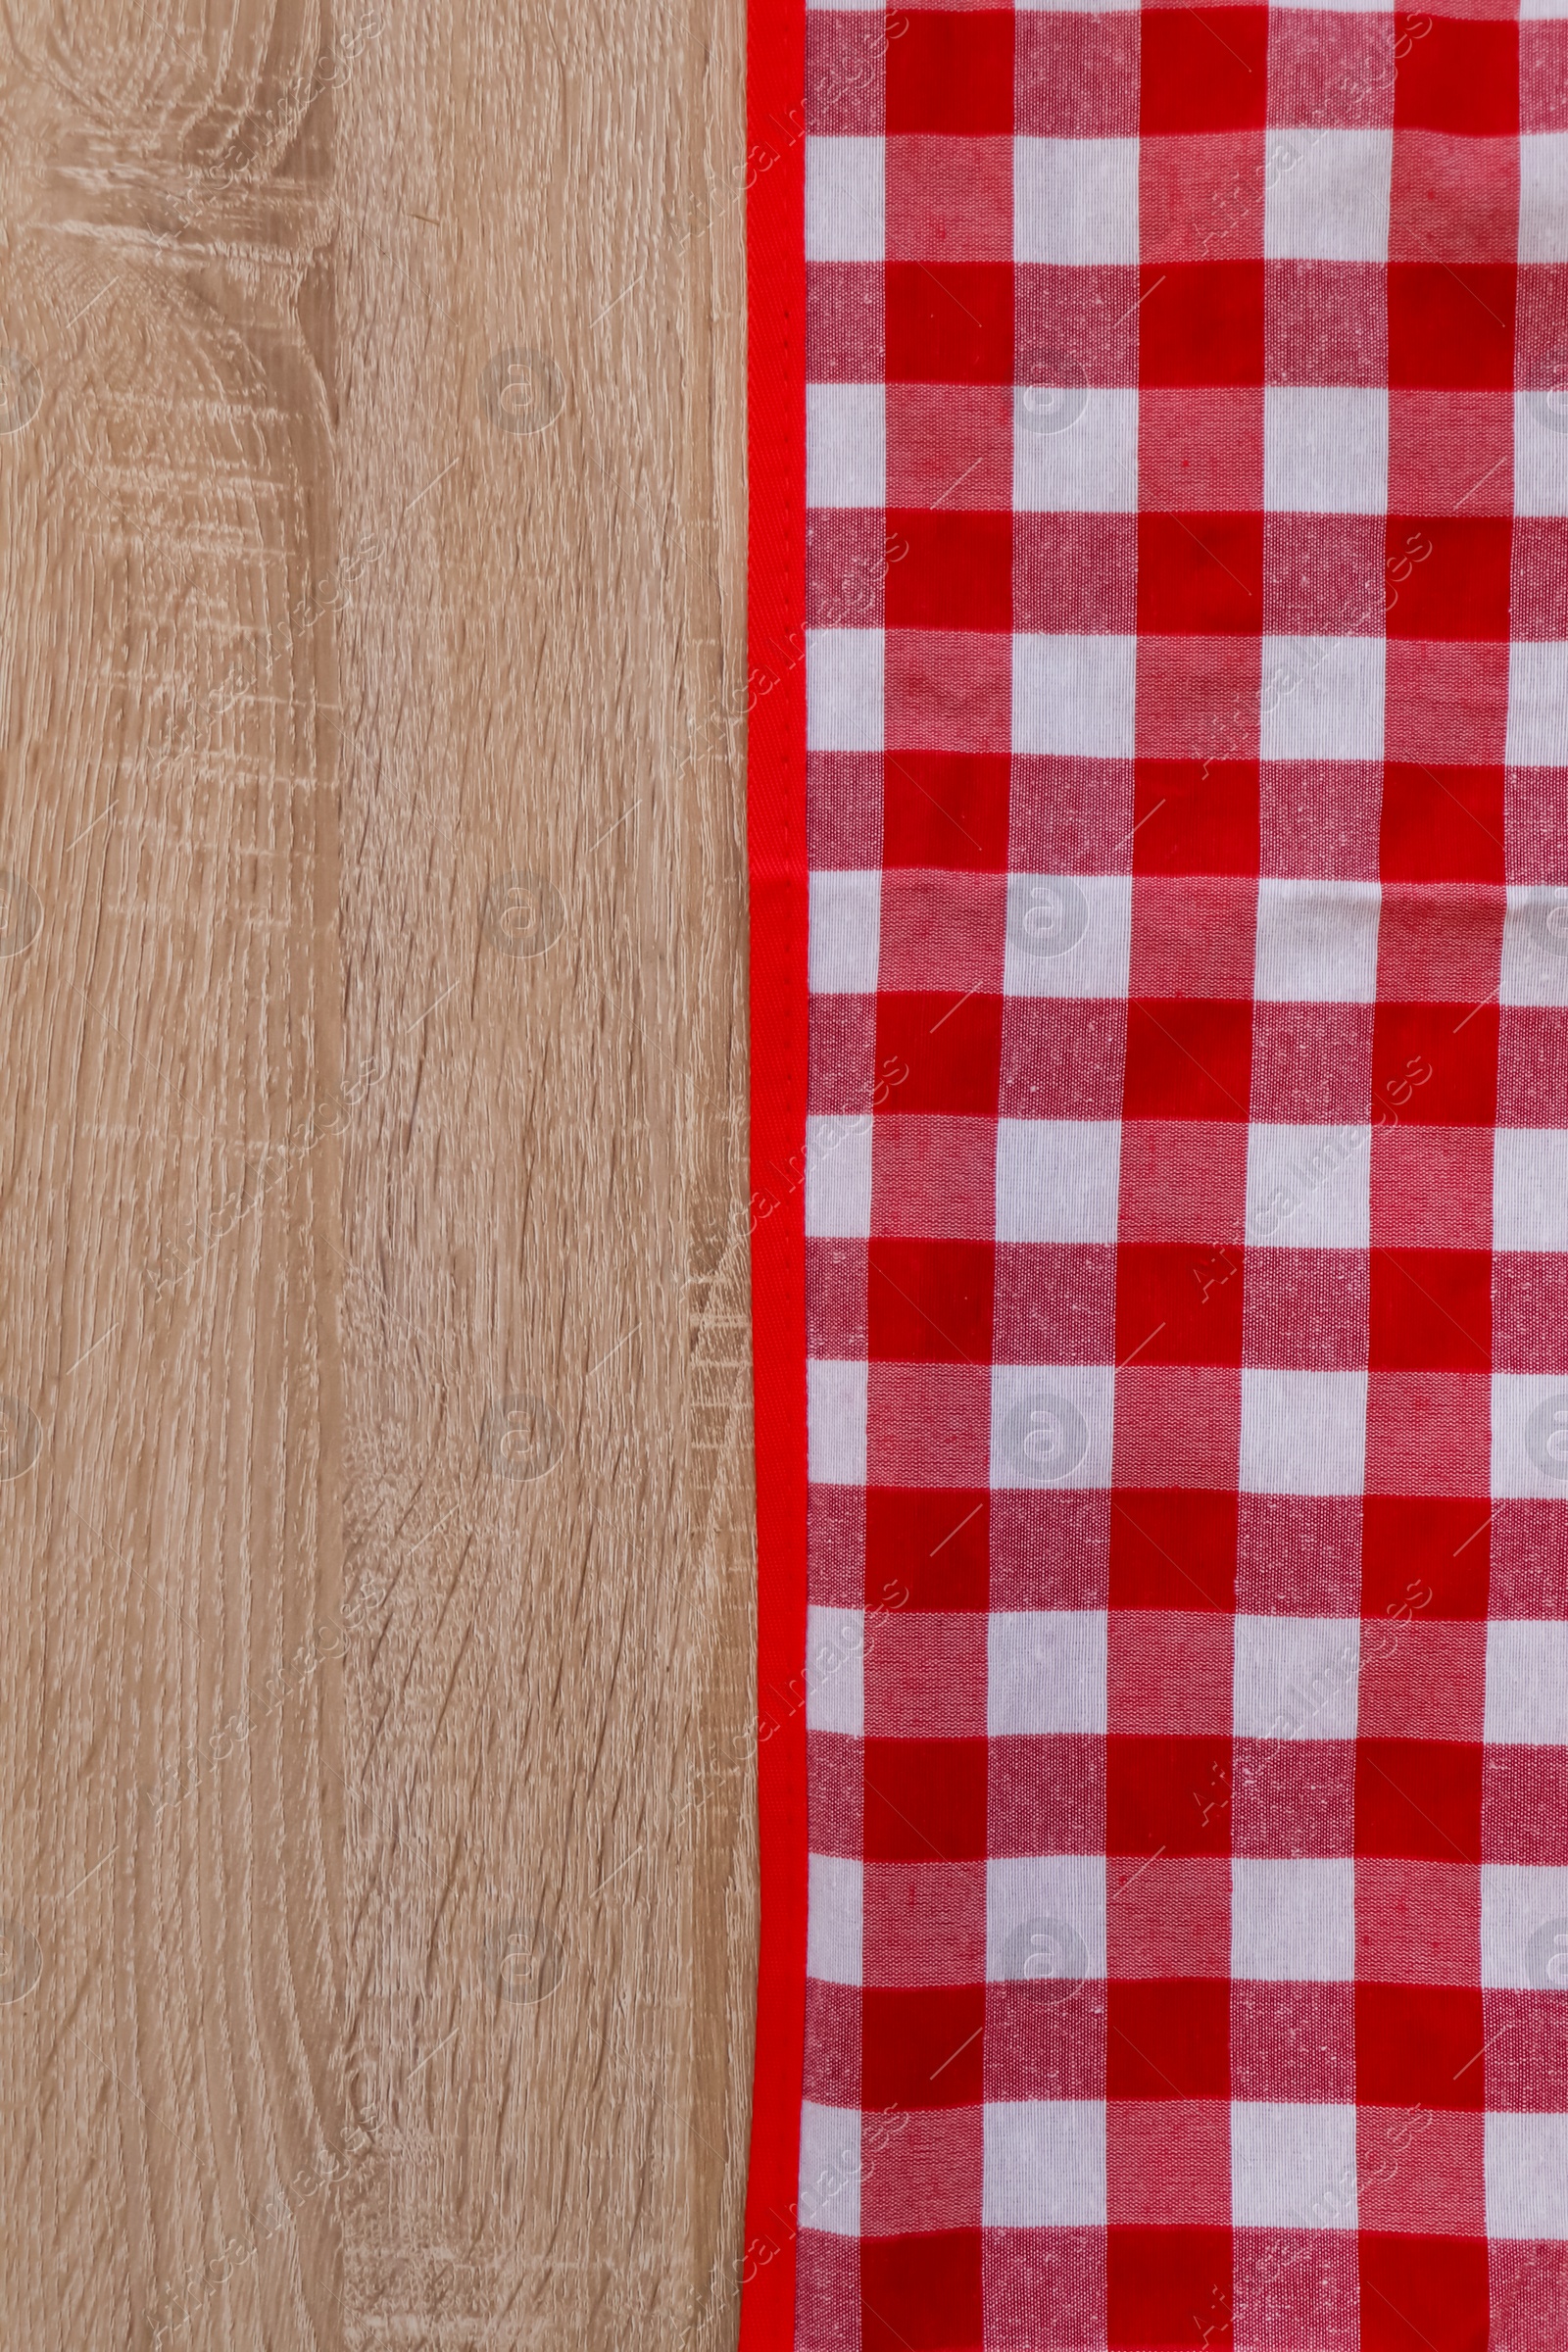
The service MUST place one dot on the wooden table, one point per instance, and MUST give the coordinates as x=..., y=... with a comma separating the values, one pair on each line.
x=377, y=1842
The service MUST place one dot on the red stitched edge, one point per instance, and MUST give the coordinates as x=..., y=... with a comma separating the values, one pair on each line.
x=776, y=801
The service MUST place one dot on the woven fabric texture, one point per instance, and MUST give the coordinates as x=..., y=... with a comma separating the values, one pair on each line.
x=1186, y=1188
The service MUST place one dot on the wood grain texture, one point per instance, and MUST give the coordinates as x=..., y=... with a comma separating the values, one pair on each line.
x=377, y=1903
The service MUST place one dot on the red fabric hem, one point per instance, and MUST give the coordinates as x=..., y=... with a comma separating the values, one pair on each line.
x=777, y=793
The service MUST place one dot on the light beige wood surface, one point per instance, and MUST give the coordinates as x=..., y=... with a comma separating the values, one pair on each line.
x=377, y=1858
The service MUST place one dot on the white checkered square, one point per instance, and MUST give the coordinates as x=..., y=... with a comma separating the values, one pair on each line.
x=1045, y=2164
x=838, y=1177
x=1296, y=1678
x=1069, y=935
x=846, y=933
x=1051, y=1425
x=1308, y=1187
x=1524, y=1926
x=1538, y=705
x=844, y=690
x=1293, y=1922
x=1527, y=1681
x=1535, y=947
x=1293, y=2166
x=1529, y=1188
x=846, y=200
x=830, y=2168
x=1088, y=464
x=1328, y=197
x=846, y=445
x=1074, y=695
x=835, y=1414
x=1540, y=451
x=1075, y=200
x=1046, y=1670
x=1527, y=2175
x=835, y=1916
x=1056, y=1179
x=1046, y=1920
x=1530, y=1434
x=1322, y=698
x=1316, y=941
x=1543, y=196
x=1302, y=1433
x=835, y=1670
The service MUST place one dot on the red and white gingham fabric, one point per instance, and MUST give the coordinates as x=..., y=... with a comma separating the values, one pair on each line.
x=1186, y=1203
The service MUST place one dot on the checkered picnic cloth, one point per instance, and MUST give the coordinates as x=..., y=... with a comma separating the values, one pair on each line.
x=1185, y=1192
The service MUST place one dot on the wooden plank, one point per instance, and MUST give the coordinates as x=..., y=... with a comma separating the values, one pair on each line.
x=376, y=1806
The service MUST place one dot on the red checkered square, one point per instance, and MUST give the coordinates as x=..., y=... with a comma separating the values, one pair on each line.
x=1543, y=74
x=1076, y=74
x=1449, y=453
x=1460, y=76
x=1450, y=325
x=949, y=323
x=1188, y=1059
x=1201, y=450
x=1326, y=322
x=1203, y=69
x=1167, y=2037
x=1200, y=572
x=1197, y=817
x=1327, y=71
x=1202, y=322
x=1411, y=2287
x=1419, y=1798
x=930, y=1302
x=948, y=200
x=949, y=444
x=1075, y=574
x=948, y=1044
x=952, y=70
x=1458, y=584
x=1455, y=198
x=1427, y=1432
x=846, y=77
x=1167, y=1797
x=920, y=2293
x=1172, y=1548
x=942, y=809
x=1444, y=825
x=1176, y=633
x=1166, y=2286
x=1198, y=197
x=1168, y=2162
